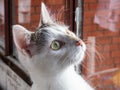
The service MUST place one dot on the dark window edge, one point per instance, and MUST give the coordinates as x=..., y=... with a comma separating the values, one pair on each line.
x=8, y=27
x=15, y=66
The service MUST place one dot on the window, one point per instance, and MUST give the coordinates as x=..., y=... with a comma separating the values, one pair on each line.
x=5, y=26
x=102, y=66
x=2, y=24
x=103, y=73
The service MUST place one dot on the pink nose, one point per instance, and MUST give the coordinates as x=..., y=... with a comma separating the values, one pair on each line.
x=79, y=43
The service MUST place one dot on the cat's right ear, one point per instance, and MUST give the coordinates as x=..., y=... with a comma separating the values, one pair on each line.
x=21, y=38
x=45, y=16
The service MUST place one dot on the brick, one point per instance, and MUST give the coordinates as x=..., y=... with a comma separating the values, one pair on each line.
x=55, y=2
x=38, y=10
x=116, y=39
x=27, y=26
x=106, y=56
x=33, y=10
x=104, y=40
x=109, y=33
x=89, y=28
x=85, y=35
x=86, y=7
x=88, y=21
x=106, y=48
x=56, y=8
x=103, y=5
x=16, y=3
x=90, y=1
x=36, y=2
x=114, y=47
x=34, y=26
x=89, y=14
x=93, y=6
x=95, y=34
x=35, y=17
x=102, y=29
x=116, y=53
x=102, y=13
x=118, y=64
x=117, y=61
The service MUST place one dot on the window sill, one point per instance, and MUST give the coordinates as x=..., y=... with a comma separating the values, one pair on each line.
x=12, y=63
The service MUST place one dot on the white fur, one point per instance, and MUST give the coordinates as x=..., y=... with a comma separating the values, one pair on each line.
x=55, y=79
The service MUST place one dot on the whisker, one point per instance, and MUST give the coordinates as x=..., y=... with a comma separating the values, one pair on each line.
x=60, y=13
x=85, y=67
x=97, y=49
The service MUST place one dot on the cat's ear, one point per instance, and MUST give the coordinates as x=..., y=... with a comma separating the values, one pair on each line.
x=21, y=38
x=45, y=16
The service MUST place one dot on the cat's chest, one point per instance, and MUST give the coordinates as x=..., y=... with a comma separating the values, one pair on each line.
x=50, y=85
x=60, y=84
x=69, y=80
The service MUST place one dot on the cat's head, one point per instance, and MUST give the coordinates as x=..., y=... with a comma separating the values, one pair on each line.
x=51, y=46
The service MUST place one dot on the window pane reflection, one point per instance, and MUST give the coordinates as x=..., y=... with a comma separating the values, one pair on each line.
x=2, y=24
x=24, y=7
x=102, y=63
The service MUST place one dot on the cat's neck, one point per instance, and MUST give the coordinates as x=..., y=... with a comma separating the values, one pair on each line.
x=43, y=81
x=66, y=79
x=38, y=76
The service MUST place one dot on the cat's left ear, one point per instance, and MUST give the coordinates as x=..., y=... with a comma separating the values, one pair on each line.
x=45, y=16
x=21, y=38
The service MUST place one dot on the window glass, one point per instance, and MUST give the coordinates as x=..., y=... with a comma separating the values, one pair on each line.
x=27, y=12
x=102, y=36
x=2, y=24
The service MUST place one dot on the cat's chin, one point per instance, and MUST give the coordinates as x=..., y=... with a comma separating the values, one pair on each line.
x=77, y=55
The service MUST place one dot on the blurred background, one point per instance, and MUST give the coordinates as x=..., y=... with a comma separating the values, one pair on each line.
x=97, y=22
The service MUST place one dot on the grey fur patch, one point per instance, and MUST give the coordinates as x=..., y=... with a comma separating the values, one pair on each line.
x=38, y=41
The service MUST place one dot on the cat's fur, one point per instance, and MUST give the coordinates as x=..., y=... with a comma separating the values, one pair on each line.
x=50, y=69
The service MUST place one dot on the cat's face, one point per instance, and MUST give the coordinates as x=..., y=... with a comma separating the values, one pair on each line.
x=51, y=46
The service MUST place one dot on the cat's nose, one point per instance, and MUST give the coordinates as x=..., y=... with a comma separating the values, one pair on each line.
x=79, y=43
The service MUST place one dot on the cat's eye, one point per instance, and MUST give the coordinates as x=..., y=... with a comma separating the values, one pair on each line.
x=56, y=45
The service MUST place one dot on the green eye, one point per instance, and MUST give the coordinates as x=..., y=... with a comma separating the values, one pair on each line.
x=55, y=45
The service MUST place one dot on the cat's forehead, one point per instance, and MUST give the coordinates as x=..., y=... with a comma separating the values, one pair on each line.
x=53, y=29
x=59, y=28
x=56, y=32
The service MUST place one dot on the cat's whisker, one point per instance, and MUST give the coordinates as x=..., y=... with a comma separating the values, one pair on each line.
x=60, y=13
x=93, y=51
x=97, y=56
x=96, y=47
x=86, y=68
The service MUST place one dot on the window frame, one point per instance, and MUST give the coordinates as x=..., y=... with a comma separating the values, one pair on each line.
x=8, y=27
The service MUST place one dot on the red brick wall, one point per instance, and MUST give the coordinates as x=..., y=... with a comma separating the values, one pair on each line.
x=108, y=45
x=53, y=5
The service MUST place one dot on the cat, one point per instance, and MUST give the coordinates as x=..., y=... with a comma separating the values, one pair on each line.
x=50, y=54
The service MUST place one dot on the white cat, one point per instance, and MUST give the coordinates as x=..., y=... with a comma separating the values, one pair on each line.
x=49, y=54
